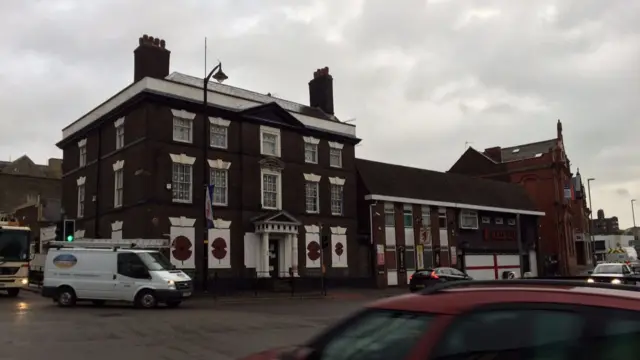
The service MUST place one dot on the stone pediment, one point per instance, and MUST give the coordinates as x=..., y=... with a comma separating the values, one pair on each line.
x=276, y=217
x=272, y=113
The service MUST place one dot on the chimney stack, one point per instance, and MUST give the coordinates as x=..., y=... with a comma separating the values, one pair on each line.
x=151, y=59
x=495, y=153
x=321, y=91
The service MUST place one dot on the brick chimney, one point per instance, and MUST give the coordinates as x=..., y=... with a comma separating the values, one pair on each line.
x=321, y=90
x=151, y=59
x=495, y=153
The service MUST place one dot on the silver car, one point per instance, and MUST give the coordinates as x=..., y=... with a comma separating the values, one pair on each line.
x=615, y=273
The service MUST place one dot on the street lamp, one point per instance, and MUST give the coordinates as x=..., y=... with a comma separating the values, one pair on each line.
x=217, y=74
x=633, y=216
x=591, y=236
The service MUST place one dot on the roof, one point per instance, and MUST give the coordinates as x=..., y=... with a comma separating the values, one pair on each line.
x=527, y=151
x=455, y=301
x=456, y=190
x=26, y=167
x=252, y=96
x=187, y=88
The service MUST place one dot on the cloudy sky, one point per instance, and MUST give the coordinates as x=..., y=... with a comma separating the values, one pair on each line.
x=421, y=78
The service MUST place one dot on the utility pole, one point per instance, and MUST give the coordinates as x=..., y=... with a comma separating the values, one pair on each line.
x=633, y=216
x=591, y=235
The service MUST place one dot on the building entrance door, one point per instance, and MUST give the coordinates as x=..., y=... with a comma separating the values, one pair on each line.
x=274, y=271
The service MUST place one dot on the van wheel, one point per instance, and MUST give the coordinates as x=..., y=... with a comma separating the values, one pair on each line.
x=66, y=297
x=173, y=304
x=146, y=299
x=98, y=302
x=13, y=292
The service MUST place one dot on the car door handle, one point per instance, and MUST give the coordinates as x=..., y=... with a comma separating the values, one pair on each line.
x=114, y=276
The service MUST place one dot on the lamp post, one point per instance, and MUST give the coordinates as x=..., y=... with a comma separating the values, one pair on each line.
x=633, y=216
x=217, y=74
x=591, y=236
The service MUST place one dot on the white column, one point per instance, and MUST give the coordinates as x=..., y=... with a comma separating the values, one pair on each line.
x=257, y=248
x=265, y=254
x=294, y=254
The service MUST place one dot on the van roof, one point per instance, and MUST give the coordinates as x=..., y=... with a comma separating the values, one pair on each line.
x=103, y=249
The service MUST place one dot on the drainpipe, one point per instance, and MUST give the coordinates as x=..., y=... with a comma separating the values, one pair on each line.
x=96, y=218
x=374, y=246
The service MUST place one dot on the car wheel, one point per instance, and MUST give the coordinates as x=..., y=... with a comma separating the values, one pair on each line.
x=66, y=297
x=173, y=304
x=146, y=299
x=13, y=292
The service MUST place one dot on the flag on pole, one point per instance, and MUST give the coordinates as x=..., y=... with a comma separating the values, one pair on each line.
x=208, y=208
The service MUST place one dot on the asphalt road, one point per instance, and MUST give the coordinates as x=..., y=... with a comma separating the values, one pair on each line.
x=34, y=328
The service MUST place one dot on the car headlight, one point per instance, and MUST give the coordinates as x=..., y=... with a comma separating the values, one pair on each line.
x=616, y=281
x=24, y=281
x=590, y=280
x=171, y=284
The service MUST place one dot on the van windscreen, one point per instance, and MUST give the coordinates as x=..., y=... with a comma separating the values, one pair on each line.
x=155, y=261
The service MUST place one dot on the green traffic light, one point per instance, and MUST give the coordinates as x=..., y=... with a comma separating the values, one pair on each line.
x=70, y=238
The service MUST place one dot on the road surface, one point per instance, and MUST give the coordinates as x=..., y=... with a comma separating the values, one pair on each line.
x=32, y=327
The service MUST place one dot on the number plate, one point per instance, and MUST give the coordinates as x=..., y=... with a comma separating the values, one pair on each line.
x=419, y=286
x=186, y=294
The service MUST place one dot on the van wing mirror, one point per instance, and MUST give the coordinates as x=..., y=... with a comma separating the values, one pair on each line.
x=589, y=272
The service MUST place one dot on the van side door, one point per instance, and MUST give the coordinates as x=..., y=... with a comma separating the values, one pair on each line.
x=131, y=272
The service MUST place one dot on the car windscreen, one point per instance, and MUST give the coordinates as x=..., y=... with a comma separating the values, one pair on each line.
x=14, y=245
x=374, y=334
x=608, y=269
x=155, y=261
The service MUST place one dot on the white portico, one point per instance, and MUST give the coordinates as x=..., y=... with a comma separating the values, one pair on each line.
x=277, y=251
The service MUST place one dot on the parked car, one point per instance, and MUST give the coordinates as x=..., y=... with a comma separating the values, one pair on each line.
x=522, y=319
x=427, y=277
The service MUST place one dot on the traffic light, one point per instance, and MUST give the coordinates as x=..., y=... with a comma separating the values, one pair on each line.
x=325, y=241
x=69, y=230
x=60, y=231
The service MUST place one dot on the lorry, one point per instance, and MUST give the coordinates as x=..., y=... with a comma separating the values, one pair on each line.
x=16, y=248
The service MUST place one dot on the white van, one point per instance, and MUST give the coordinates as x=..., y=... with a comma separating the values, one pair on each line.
x=143, y=277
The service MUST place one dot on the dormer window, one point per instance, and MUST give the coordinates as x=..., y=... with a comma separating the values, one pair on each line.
x=335, y=154
x=269, y=141
x=311, y=150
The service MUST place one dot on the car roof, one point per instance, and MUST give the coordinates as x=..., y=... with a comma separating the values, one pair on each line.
x=457, y=300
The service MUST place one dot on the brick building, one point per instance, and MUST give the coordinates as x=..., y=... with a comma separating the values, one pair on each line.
x=418, y=218
x=284, y=175
x=582, y=232
x=544, y=170
x=603, y=225
x=22, y=181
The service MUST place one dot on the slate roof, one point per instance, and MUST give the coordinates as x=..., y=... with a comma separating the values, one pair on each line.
x=527, y=151
x=252, y=96
x=408, y=182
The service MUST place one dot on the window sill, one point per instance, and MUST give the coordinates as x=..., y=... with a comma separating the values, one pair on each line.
x=270, y=208
x=219, y=147
x=313, y=212
x=468, y=228
x=336, y=214
x=273, y=155
x=311, y=162
x=336, y=166
x=117, y=206
x=183, y=141
x=219, y=204
x=181, y=201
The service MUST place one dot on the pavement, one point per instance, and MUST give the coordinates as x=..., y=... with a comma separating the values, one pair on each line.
x=34, y=328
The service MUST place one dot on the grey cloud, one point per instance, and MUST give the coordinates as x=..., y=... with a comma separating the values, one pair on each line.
x=579, y=65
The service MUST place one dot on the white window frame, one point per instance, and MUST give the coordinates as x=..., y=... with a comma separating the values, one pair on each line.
x=183, y=119
x=499, y=221
x=389, y=209
x=311, y=147
x=271, y=131
x=338, y=184
x=312, y=181
x=278, y=176
x=425, y=215
x=407, y=213
x=119, y=125
x=118, y=183
x=187, y=162
x=218, y=123
x=81, y=196
x=511, y=222
x=335, y=148
x=486, y=220
x=82, y=153
x=468, y=219
x=219, y=166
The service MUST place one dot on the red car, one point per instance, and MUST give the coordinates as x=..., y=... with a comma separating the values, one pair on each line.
x=477, y=320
